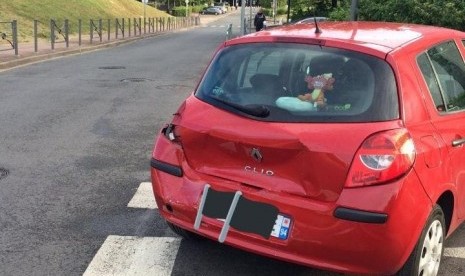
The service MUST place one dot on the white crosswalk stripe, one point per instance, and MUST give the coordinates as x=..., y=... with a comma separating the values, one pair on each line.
x=144, y=197
x=126, y=256
x=130, y=255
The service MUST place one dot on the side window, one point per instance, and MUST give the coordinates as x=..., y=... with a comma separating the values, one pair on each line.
x=430, y=78
x=444, y=71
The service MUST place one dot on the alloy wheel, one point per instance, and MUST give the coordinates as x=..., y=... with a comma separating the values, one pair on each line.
x=431, y=250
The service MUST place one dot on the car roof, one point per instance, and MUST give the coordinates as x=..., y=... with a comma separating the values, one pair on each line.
x=311, y=19
x=378, y=37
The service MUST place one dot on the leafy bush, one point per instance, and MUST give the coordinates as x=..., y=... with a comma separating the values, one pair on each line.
x=197, y=9
x=340, y=14
x=268, y=12
x=281, y=11
x=180, y=11
x=445, y=13
x=269, y=3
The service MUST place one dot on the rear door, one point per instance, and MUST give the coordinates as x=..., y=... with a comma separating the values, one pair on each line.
x=443, y=71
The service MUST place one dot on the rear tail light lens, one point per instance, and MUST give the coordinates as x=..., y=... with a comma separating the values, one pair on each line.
x=383, y=157
x=171, y=133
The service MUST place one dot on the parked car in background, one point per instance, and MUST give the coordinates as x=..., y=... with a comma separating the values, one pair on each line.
x=222, y=8
x=341, y=149
x=212, y=10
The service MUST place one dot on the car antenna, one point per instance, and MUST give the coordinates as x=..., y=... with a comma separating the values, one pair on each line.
x=317, y=29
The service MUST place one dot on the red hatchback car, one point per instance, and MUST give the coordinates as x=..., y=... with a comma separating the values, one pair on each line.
x=337, y=146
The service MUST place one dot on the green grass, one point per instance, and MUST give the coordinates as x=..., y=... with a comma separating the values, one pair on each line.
x=26, y=11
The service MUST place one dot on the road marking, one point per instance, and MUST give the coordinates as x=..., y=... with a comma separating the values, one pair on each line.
x=127, y=255
x=455, y=252
x=144, y=197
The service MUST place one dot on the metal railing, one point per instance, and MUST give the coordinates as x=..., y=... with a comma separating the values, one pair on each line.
x=64, y=31
x=10, y=35
x=97, y=28
x=60, y=31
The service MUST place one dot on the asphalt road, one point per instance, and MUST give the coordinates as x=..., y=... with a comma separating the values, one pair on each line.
x=76, y=135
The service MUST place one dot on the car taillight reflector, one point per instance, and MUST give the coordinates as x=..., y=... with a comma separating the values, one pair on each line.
x=171, y=133
x=382, y=157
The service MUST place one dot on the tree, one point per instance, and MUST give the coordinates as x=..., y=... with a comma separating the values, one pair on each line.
x=446, y=13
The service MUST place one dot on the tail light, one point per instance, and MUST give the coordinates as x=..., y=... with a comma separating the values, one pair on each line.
x=383, y=157
x=171, y=133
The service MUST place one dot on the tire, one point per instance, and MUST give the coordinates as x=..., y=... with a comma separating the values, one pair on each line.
x=183, y=233
x=426, y=256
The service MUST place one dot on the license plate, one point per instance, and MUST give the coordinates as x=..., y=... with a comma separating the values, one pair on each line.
x=242, y=214
x=281, y=227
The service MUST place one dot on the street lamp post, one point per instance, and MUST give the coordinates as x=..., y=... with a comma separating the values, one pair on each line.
x=354, y=10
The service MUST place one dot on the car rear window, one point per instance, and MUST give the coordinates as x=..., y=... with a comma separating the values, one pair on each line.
x=287, y=82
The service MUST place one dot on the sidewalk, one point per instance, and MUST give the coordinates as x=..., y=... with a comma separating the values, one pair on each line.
x=27, y=54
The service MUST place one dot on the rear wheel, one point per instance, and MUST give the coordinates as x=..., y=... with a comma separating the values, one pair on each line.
x=426, y=256
x=181, y=232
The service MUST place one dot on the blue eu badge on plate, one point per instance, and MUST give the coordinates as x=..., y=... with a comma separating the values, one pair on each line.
x=281, y=227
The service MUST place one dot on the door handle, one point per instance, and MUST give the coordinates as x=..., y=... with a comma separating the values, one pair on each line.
x=458, y=142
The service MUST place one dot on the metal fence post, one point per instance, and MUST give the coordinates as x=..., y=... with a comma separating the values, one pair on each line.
x=116, y=28
x=67, y=33
x=108, y=30
x=124, y=28
x=129, y=26
x=91, y=29
x=100, y=29
x=140, y=26
x=80, y=31
x=36, y=46
x=14, y=27
x=52, y=33
x=135, y=27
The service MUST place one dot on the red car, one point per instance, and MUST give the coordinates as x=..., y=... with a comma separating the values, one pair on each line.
x=337, y=146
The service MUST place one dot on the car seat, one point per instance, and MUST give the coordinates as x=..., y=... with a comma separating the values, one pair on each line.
x=267, y=88
x=354, y=85
x=318, y=65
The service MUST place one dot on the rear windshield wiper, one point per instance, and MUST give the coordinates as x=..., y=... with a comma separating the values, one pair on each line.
x=256, y=110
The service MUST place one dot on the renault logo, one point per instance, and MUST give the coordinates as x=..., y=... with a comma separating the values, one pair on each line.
x=256, y=155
